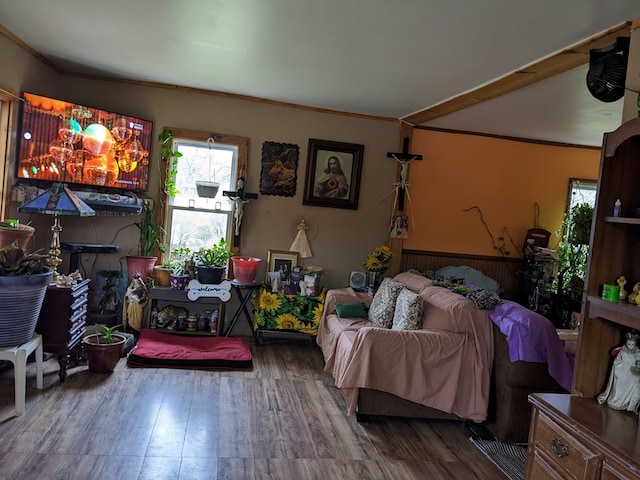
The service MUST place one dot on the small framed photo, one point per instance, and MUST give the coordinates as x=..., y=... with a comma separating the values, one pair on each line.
x=333, y=174
x=282, y=261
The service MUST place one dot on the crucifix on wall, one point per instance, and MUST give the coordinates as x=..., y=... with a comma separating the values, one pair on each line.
x=239, y=198
x=403, y=158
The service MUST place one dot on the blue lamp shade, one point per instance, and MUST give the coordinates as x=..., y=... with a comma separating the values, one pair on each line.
x=58, y=200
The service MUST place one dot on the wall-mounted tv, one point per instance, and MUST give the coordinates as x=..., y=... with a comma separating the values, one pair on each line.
x=65, y=142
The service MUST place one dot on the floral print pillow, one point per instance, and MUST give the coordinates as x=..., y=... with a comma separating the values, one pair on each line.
x=383, y=304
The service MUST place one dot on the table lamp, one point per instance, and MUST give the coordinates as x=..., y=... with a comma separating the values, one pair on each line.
x=57, y=200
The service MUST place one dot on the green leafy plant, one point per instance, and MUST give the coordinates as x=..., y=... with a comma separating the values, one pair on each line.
x=15, y=262
x=151, y=233
x=170, y=159
x=217, y=255
x=107, y=334
x=177, y=260
x=573, y=249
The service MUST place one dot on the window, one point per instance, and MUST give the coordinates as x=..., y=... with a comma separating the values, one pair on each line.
x=194, y=220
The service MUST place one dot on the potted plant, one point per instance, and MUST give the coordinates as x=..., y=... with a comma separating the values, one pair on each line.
x=23, y=283
x=150, y=241
x=573, y=251
x=104, y=349
x=212, y=262
x=177, y=264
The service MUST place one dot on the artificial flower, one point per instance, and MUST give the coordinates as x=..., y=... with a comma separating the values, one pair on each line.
x=378, y=260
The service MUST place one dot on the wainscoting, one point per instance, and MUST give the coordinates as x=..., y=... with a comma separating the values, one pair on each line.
x=502, y=270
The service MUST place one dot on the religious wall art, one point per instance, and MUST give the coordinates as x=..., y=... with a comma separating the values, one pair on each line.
x=333, y=174
x=279, y=166
x=399, y=227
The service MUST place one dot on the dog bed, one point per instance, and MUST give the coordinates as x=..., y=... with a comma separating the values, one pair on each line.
x=157, y=349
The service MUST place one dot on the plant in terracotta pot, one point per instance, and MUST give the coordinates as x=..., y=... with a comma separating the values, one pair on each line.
x=104, y=349
x=24, y=279
x=150, y=241
x=212, y=262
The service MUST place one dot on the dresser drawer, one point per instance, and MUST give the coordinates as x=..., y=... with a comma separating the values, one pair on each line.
x=613, y=471
x=564, y=451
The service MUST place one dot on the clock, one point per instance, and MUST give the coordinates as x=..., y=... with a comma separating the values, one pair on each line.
x=358, y=280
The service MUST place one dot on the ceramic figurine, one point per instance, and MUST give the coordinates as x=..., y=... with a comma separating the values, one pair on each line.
x=623, y=388
x=622, y=281
x=631, y=298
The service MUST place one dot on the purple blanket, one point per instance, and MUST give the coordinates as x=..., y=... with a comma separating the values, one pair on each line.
x=533, y=338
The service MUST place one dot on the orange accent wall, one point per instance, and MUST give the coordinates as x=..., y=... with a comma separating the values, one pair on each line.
x=505, y=178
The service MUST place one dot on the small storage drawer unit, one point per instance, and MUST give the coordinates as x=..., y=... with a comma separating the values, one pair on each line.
x=576, y=438
x=62, y=321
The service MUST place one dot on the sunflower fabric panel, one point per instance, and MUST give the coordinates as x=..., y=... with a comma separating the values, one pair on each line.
x=292, y=313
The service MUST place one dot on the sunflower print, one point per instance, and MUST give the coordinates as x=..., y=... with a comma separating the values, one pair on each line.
x=295, y=313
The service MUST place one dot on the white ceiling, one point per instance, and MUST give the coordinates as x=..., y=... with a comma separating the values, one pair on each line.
x=388, y=58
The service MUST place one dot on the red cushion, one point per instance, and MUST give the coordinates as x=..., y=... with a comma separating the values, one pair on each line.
x=157, y=349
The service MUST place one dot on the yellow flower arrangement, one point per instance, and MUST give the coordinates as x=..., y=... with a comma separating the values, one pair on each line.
x=378, y=260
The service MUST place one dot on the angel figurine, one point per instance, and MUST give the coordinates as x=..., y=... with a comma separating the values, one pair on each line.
x=623, y=388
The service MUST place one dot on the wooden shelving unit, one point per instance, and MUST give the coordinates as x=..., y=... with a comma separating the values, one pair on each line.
x=603, y=443
x=162, y=296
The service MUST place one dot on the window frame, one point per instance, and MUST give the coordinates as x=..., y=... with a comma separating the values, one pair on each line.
x=180, y=134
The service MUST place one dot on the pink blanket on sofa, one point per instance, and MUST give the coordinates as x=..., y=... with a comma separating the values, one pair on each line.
x=444, y=365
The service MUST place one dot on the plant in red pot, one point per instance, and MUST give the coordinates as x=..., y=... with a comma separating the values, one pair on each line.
x=103, y=350
x=150, y=242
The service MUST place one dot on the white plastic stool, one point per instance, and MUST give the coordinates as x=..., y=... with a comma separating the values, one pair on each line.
x=18, y=356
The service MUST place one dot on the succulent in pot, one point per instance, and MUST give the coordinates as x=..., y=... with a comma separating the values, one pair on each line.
x=177, y=261
x=211, y=262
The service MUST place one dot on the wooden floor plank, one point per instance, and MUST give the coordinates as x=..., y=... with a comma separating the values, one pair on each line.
x=284, y=418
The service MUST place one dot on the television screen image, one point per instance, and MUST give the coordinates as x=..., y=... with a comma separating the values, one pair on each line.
x=83, y=146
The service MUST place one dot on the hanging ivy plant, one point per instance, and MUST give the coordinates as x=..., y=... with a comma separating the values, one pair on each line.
x=170, y=159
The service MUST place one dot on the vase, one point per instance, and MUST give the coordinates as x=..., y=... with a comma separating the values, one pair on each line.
x=245, y=269
x=374, y=279
x=162, y=275
x=142, y=265
x=103, y=357
x=21, y=298
x=179, y=282
x=210, y=275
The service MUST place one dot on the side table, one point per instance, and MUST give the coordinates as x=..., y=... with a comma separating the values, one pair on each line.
x=244, y=299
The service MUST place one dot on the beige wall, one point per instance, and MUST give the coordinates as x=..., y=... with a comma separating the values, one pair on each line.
x=342, y=237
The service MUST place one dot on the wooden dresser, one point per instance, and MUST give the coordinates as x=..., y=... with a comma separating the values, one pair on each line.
x=62, y=321
x=575, y=438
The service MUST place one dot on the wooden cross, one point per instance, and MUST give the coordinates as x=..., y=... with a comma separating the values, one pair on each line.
x=239, y=198
x=403, y=158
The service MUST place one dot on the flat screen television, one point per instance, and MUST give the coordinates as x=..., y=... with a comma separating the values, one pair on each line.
x=82, y=146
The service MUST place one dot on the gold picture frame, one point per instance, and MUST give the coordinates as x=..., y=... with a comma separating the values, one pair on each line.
x=283, y=261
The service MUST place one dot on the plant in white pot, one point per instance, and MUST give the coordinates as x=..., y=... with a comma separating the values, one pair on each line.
x=23, y=283
x=211, y=263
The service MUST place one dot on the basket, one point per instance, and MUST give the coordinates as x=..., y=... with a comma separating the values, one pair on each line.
x=245, y=269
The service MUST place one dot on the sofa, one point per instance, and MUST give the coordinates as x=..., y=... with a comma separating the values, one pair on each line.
x=453, y=363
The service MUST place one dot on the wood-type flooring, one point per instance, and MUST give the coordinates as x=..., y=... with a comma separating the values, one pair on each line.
x=284, y=419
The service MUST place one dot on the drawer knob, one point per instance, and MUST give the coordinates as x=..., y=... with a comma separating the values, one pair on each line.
x=559, y=448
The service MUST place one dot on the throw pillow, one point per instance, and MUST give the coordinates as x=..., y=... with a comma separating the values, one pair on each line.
x=383, y=304
x=408, y=313
x=351, y=310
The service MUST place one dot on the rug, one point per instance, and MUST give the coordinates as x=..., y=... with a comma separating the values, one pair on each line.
x=510, y=458
x=157, y=349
